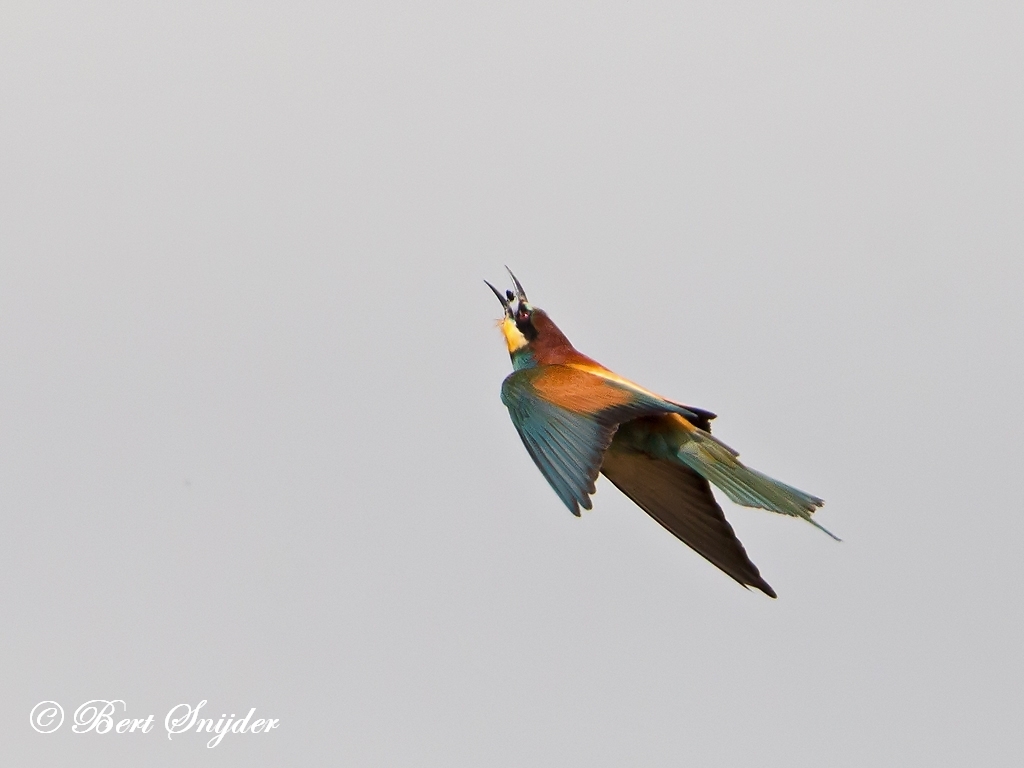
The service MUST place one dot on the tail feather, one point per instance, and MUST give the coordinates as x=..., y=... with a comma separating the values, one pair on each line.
x=718, y=463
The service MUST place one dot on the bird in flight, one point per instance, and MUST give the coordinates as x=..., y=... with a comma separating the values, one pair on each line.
x=577, y=418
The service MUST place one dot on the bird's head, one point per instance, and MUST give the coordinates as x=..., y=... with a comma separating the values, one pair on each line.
x=529, y=332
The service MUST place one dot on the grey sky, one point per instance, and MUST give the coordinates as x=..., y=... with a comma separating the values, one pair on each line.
x=251, y=446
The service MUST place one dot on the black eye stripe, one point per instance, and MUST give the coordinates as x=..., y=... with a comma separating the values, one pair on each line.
x=525, y=324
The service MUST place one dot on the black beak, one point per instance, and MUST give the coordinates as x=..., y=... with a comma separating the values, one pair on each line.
x=502, y=299
x=520, y=293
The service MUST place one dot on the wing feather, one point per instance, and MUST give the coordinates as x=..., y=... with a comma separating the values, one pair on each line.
x=566, y=418
x=682, y=502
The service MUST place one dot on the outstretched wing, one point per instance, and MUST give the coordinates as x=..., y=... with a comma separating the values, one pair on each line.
x=681, y=500
x=567, y=417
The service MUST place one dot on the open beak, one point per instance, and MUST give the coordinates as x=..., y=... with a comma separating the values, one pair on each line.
x=507, y=299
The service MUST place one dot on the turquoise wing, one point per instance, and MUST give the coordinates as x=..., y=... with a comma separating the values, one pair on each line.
x=566, y=418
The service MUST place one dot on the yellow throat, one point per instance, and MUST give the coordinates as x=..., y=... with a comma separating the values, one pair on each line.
x=513, y=336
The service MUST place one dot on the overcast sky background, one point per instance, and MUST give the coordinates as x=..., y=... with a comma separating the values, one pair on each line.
x=251, y=444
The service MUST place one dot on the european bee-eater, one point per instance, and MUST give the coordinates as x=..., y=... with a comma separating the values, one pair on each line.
x=577, y=418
